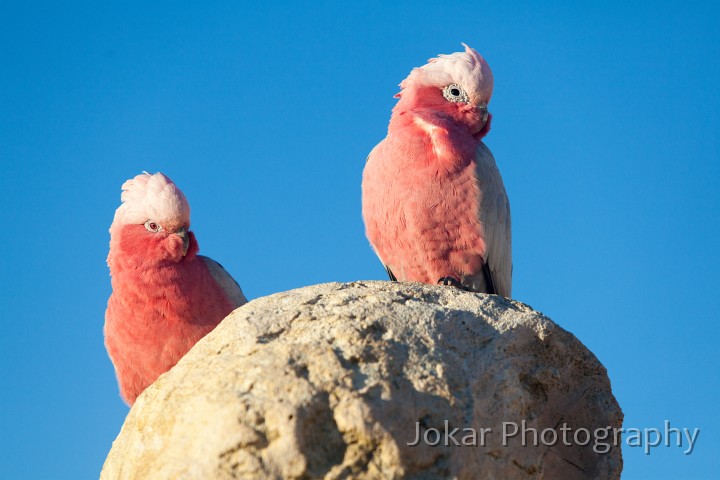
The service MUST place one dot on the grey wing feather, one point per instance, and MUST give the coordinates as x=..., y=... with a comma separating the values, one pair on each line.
x=390, y=274
x=495, y=218
x=226, y=282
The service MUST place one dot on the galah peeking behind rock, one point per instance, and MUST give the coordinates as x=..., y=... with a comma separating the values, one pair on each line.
x=165, y=297
x=433, y=201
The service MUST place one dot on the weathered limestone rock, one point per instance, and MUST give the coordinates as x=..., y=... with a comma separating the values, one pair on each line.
x=332, y=381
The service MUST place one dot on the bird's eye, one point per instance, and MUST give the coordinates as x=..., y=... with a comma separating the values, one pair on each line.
x=154, y=227
x=455, y=93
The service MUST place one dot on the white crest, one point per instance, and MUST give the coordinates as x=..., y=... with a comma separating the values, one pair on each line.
x=468, y=69
x=152, y=197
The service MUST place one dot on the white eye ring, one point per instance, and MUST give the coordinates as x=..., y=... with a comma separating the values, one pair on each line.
x=152, y=226
x=455, y=93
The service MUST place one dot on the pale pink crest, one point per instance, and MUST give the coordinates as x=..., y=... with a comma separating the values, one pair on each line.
x=467, y=69
x=152, y=197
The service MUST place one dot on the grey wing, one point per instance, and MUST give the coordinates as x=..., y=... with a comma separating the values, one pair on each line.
x=226, y=282
x=495, y=218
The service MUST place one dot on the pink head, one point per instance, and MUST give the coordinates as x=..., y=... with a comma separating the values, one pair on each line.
x=153, y=221
x=455, y=88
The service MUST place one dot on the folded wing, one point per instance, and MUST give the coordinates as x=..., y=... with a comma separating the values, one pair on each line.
x=226, y=281
x=494, y=214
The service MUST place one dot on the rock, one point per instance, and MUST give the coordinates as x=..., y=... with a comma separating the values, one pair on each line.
x=332, y=381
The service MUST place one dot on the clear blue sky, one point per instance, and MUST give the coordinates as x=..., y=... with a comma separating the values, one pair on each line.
x=605, y=128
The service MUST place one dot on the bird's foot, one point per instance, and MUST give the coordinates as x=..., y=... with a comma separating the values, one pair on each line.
x=452, y=282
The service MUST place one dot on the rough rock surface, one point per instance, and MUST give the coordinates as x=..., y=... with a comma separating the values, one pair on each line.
x=331, y=381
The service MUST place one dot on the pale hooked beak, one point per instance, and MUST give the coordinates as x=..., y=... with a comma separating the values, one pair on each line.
x=183, y=233
x=482, y=108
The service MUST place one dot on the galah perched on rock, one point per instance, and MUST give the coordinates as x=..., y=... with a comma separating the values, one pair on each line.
x=433, y=201
x=165, y=296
